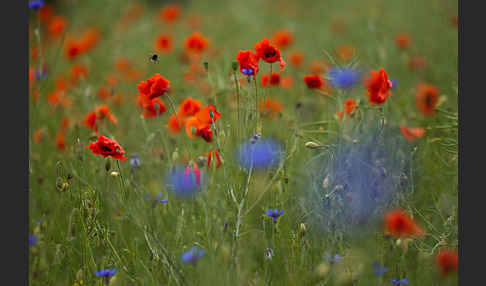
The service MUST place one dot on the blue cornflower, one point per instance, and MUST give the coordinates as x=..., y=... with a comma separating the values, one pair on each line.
x=343, y=78
x=225, y=225
x=157, y=199
x=337, y=258
x=36, y=4
x=394, y=83
x=259, y=154
x=248, y=71
x=402, y=281
x=32, y=239
x=185, y=182
x=192, y=255
x=274, y=214
x=380, y=270
x=106, y=273
x=134, y=161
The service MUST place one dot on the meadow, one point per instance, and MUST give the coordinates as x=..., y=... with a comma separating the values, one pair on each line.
x=171, y=144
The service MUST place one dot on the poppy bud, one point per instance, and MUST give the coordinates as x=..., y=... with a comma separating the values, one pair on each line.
x=114, y=174
x=107, y=165
x=234, y=65
x=206, y=66
x=312, y=145
x=302, y=228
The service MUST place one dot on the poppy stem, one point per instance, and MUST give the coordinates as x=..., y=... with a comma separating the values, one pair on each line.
x=256, y=105
x=121, y=176
x=172, y=106
x=237, y=101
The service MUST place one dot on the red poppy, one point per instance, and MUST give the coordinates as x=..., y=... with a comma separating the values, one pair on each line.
x=402, y=40
x=90, y=121
x=196, y=43
x=104, y=93
x=189, y=107
x=269, y=53
x=378, y=87
x=99, y=113
x=208, y=115
x=350, y=106
x=107, y=147
x=313, y=81
x=199, y=124
x=270, y=107
x=426, y=98
x=412, y=133
x=287, y=81
x=153, y=108
x=56, y=26
x=283, y=38
x=400, y=224
x=169, y=13
x=155, y=86
x=173, y=124
x=163, y=43
x=248, y=62
x=46, y=13
x=296, y=58
x=61, y=141
x=111, y=80
x=417, y=64
x=78, y=72
x=210, y=155
x=448, y=261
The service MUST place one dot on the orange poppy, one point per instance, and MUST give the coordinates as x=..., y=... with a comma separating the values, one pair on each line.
x=296, y=58
x=196, y=43
x=104, y=93
x=402, y=40
x=318, y=67
x=56, y=26
x=270, y=107
x=350, y=106
x=78, y=72
x=287, y=81
x=345, y=52
x=400, y=224
x=426, y=98
x=163, y=43
x=61, y=141
x=412, y=133
x=378, y=87
x=189, y=107
x=340, y=115
x=283, y=38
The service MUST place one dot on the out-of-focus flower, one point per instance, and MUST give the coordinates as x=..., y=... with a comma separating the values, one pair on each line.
x=36, y=4
x=163, y=43
x=313, y=81
x=350, y=107
x=56, y=26
x=412, y=133
x=345, y=52
x=134, y=161
x=107, y=147
x=270, y=107
x=296, y=58
x=268, y=53
x=380, y=270
x=417, y=64
x=196, y=43
x=402, y=281
x=259, y=154
x=426, y=98
x=32, y=240
x=402, y=40
x=343, y=78
x=274, y=214
x=283, y=39
x=185, y=182
x=334, y=259
x=193, y=255
x=169, y=13
x=378, y=87
x=274, y=79
x=400, y=224
x=157, y=199
x=447, y=261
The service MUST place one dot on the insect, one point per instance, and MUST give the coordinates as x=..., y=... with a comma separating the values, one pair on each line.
x=154, y=58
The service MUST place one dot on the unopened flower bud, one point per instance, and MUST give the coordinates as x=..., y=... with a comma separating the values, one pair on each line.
x=114, y=174
x=234, y=65
x=312, y=145
x=206, y=66
x=302, y=228
x=107, y=165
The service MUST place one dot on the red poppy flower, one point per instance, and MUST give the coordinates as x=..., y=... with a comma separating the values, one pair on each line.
x=447, y=260
x=426, y=98
x=400, y=224
x=78, y=72
x=248, y=62
x=313, y=81
x=56, y=26
x=417, y=64
x=173, y=124
x=189, y=107
x=61, y=141
x=163, y=43
x=104, y=93
x=169, y=13
x=107, y=147
x=412, y=133
x=196, y=43
x=270, y=107
x=402, y=40
x=155, y=86
x=269, y=53
x=283, y=38
x=199, y=124
x=287, y=81
x=349, y=106
x=90, y=121
x=153, y=108
x=210, y=155
x=208, y=115
x=99, y=113
x=378, y=87
x=296, y=58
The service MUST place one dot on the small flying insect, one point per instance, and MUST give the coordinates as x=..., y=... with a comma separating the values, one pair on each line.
x=153, y=57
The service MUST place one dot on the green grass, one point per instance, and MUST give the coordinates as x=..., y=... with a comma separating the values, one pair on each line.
x=87, y=220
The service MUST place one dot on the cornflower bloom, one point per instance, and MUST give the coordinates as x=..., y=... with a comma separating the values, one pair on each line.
x=193, y=255
x=274, y=214
x=402, y=281
x=343, y=78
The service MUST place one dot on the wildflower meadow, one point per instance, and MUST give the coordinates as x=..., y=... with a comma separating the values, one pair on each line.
x=243, y=142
